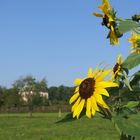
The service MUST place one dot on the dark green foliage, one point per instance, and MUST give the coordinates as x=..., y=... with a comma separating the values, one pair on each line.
x=61, y=93
x=129, y=125
x=136, y=79
x=3, y=92
x=136, y=18
x=127, y=25
x=131, y=61
x=9, y=97
x=67, y=118
x=12, y=97
x=126, y=137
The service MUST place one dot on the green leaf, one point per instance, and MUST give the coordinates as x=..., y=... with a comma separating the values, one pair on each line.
x=137, y=73
x=136, y=18
x=127, y=25
x=127, y=83
x=126, y=137
x=129, y=126
x=136, y=79
x=131, y=61
x=131, y=104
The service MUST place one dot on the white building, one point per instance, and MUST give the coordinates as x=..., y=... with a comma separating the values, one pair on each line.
x=25, y=95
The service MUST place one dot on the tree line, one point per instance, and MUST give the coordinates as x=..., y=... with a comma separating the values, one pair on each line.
x=31, y=87
x=12, y=97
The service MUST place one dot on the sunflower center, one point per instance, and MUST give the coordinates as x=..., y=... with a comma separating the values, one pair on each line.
x=108, y=23
x=86, y=88
x=116, y=68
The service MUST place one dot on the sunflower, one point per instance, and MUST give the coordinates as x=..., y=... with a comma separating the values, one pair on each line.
x=108, y=20
x=135, y=40
x=117, y=68
x=89, y=92
x=113, y=36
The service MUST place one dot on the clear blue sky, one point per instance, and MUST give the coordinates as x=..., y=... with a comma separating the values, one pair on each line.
x=56, y=39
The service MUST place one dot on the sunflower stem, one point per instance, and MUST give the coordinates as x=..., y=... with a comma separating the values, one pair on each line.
x=119, y=19
x=107, y=113
x=116, y=126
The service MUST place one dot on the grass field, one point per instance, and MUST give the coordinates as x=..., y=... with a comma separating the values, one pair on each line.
x=43, y=126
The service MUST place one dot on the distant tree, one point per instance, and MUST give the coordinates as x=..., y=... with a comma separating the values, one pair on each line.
x=19, y=84
x=12, y=98
x=3, y=92
x=59, y=94
x=29, y=91
x=42, y=85
x=62, y=93
x=53, y=94
x=69, y=93
x=31, y=88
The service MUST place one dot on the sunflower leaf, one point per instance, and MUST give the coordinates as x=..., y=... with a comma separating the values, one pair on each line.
x=136, y=78
x=130, y=126
x=131, y=104
x=126, y=137
x=127, y=83
x=127, y=25
x=131, y=61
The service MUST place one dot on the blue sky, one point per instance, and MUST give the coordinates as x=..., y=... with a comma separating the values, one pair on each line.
x=56, y=39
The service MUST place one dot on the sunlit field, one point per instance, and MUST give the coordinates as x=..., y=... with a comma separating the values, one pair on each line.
x=45, y=126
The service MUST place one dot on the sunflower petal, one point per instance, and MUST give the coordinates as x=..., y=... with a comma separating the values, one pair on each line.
x=98, y=15
x=79, y=108
x=88, y=108
x=100, y=101
x=113, y=38
x=133, y=39
x=76, y=104
x=103, y=75
x=119, y=59
x=107, y=4
x=94, y=104
x=95, y=71
x=74, y=97
x=77, y=81
x=106, y=84
x=76, y=89
x=105, y=7
x=90, y=75
x=93, y=111
x=102, y=92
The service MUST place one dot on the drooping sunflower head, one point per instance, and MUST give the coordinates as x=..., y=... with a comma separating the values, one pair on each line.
x=135, y=40
x=89, y=91
x=117, y=68
x=105, y=8
x=109, y=21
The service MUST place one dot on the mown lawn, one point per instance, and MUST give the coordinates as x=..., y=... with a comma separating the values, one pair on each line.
x=43, y=126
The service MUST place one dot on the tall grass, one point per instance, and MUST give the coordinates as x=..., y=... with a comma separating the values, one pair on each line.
x=43, y=126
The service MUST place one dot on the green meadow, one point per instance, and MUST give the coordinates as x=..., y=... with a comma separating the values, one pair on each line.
x=47, y=126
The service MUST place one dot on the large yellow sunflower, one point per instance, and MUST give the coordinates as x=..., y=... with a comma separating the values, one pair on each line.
x=134, y=40
x=89, y=92
x=108, y=21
